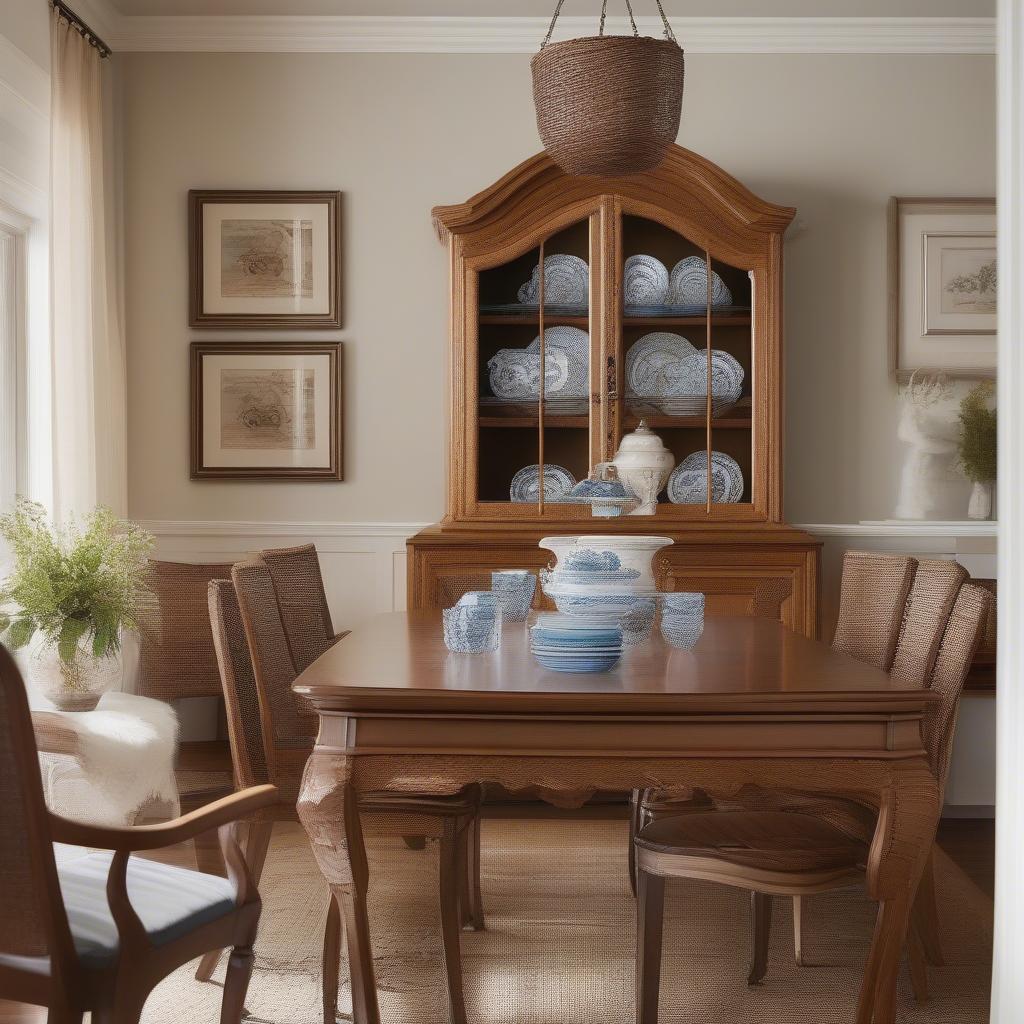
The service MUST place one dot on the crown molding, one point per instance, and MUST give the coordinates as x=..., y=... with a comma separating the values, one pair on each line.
x=344, y=34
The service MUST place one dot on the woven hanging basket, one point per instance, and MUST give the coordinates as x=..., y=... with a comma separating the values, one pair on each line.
x=608, y=106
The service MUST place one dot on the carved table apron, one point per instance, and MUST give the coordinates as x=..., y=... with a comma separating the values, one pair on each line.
x=752, y=703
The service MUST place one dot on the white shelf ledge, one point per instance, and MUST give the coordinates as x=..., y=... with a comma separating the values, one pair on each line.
x=906, y=528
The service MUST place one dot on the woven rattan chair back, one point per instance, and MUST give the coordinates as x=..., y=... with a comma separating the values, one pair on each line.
x=302, y=601
x=872, y=599
x=249, y=740
x=963, y=634
x=31, y=909
x=290, y=723
x=176, y=656
x=936, y=585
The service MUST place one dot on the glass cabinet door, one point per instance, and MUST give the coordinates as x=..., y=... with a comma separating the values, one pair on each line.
x=687, y=367
x=526, y=320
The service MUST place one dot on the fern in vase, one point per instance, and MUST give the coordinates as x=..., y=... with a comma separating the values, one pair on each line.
x=71, y=594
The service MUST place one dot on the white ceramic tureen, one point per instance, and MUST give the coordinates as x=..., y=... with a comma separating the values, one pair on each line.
x=644, y=464
x=601, y=575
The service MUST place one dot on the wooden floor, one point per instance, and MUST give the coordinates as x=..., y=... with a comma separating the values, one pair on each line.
x=970, y=842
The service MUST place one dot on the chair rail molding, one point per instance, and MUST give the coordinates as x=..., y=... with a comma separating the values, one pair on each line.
x=1008, y=952
x=370, y=34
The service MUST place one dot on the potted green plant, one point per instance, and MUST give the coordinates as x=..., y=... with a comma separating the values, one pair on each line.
x=978, y=448
x=70, y=595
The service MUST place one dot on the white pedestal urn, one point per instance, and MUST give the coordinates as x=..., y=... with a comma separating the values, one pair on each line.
x=644, y=465
x=980, y=504
x=76, y=685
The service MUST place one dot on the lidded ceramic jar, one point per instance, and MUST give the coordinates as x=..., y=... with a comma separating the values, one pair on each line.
x=644, y=465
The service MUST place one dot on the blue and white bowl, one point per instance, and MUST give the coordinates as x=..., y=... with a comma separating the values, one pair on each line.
x=638, y=622
x=682, y=619
x=472, y=598
x=472, y=628
x=514, y=589
x=683, y=603
x=592, y=604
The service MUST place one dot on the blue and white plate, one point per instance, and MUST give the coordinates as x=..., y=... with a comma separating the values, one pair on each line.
x=525, y=488
x=688, y=285
x=566, y=281
x=575, y=343
x=652, y=362
x=688, y=483
x=644, y=281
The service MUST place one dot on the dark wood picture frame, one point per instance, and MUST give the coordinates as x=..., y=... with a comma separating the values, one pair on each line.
x=198, y=317
x=199, y=349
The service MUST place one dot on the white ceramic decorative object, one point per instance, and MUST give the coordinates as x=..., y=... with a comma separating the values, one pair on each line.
x=929, y=425
x=644, y=464
x=605, y=564
x=980, y=505
x=74, y=686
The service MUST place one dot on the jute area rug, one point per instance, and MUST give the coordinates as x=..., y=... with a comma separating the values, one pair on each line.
x=559, y=944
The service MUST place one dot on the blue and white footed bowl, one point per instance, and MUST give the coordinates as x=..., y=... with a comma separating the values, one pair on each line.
x=472, y=628
x=592, y=604
x=683, y=603
x=682, y=619
x=514, y=589
x=638, y=622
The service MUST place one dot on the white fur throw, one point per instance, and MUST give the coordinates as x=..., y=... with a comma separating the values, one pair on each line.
x=126, y=750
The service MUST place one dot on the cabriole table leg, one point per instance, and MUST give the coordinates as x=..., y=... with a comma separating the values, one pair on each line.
x=329, y=811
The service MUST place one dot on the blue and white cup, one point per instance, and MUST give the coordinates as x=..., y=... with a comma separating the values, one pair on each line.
x=638, y=622
x=682, y=619
x=472, y=628
x=514, y=589
x=472, y=598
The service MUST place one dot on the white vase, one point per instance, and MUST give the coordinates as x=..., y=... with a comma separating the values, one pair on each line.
x=74, y=686
x=980, y=505
x=644, y=465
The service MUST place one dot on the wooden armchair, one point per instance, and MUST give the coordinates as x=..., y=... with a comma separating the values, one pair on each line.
x=99, y=934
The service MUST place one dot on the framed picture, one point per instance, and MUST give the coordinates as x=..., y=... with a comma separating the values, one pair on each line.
x=264, y=259
x=942, y=286
x=266, y=410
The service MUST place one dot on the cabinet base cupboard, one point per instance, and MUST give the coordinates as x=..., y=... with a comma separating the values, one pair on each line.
x=661, y=301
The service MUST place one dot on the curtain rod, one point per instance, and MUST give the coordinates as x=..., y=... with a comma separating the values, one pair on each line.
x=77, y=23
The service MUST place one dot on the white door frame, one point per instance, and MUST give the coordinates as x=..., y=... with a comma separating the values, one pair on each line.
x=1008, y=954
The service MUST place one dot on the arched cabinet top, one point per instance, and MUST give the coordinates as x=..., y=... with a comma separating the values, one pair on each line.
x=686, y=192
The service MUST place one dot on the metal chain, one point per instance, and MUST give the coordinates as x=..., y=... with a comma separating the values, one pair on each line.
x=669, y=34
x=551, y=27
x=632, y=20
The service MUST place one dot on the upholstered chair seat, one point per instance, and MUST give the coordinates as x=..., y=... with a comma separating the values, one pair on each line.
x=170, y=902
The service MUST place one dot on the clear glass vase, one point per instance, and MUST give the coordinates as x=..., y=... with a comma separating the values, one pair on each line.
x=76, y=685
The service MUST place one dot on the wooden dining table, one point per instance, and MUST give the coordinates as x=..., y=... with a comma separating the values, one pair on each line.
x=752, y=703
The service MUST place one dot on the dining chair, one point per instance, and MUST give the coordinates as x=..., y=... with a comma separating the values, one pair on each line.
x=302, y=602
x=98, y=933
x=271, y=737
x=177, y=662
x=789, y=851
x=872, y=600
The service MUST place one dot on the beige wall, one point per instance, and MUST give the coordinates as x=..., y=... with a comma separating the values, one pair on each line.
x=831, y=135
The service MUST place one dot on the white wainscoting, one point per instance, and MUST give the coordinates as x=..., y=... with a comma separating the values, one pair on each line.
x=364, y=567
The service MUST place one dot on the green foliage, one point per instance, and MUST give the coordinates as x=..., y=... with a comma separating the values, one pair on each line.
x=978, y=434
x=85, y=580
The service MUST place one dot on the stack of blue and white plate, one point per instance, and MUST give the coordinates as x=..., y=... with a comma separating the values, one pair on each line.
x=564, y=643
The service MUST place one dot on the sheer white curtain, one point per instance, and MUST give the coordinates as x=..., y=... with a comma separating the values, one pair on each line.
x=88, y=358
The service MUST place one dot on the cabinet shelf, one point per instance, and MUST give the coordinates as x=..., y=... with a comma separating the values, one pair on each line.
x=531, y=319
x=736, y=418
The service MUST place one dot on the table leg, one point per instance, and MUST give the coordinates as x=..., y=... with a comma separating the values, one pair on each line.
x=907, y=820
x=329, y=811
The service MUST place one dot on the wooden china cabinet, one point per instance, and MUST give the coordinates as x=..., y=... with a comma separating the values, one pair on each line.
x=740, y=554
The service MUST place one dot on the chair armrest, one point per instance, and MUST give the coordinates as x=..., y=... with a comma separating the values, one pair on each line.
x=167, y=833
x=55, y=734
